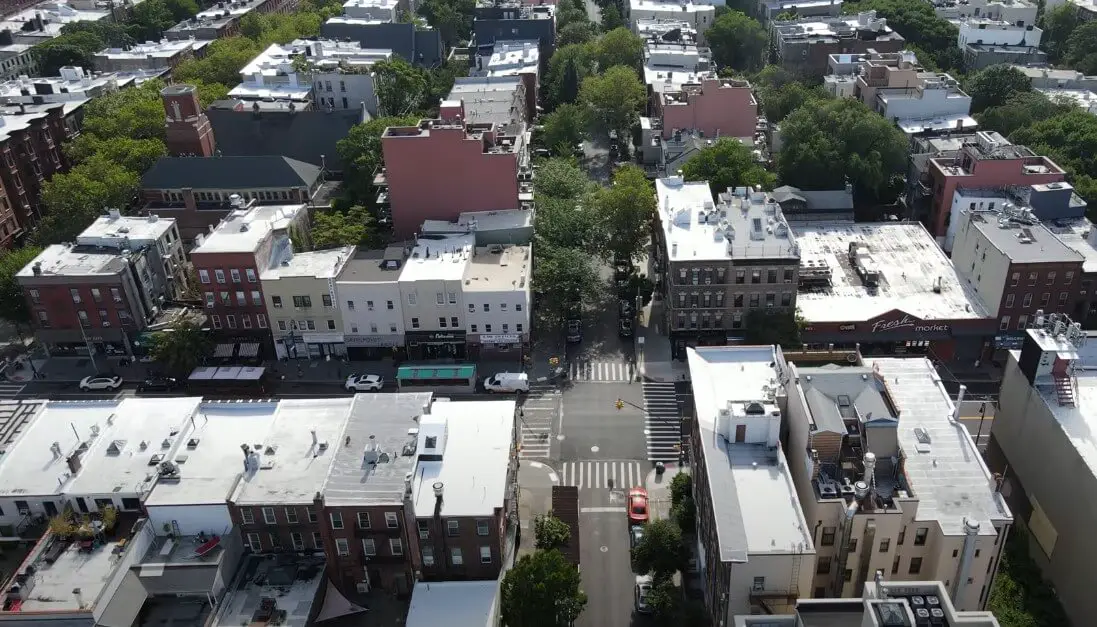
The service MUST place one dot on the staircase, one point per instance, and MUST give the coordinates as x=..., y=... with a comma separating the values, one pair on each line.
x=1064, y=389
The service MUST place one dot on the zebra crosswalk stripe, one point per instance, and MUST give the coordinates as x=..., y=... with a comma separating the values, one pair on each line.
x=595, y=475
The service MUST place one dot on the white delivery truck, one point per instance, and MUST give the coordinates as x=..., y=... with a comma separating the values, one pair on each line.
x=507, y=382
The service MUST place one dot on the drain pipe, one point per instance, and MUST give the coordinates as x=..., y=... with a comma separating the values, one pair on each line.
x=959, y=584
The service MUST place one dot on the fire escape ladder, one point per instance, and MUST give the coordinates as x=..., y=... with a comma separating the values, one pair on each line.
x=1064, y=389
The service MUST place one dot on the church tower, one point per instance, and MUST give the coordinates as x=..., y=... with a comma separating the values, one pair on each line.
x=188, y=129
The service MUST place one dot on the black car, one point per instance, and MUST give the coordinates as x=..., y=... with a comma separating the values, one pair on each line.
x=624, y=327
x=159, y=383
x=635, y=534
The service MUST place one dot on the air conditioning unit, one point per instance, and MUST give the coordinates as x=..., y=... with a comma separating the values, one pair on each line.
x=362, y=587
x=106, y=323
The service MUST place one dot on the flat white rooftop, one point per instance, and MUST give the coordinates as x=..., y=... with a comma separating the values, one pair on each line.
x=909, y=261
x=62, y=260
x=453, y=603
x=1080, y=235
x=677, y=8
x=664, y=79
x=513, y=57
x=754, y=500
x=242, y=230
x=211, y=468
x=948, y=476
x=136, y=229
x=250, y=91
x=475, y=461
x=958, y=122
x=319, y=264
x=305, y=434
x=277, y=59
x=86, y=571
x=55, y=14
x=439, y=259
x=680, y=201
x=163, y=49
x=505, y=271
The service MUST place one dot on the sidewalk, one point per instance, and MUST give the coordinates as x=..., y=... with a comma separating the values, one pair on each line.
x=653, y=357
x=535, y=481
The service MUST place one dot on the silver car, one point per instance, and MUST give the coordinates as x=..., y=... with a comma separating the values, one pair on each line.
x=643, y=592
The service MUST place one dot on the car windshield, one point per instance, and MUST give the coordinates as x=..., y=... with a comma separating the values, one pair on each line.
x=638, y=507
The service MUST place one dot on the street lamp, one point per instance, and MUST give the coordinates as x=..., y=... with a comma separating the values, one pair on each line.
x=87, y=342
x=982, y=416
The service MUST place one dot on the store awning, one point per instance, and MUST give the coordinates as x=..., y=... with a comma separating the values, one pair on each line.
x=248, y=349
x=224, y=350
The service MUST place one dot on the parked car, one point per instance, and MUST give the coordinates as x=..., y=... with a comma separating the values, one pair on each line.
x=159, y=383
x=365, y=383
x=543, y=153
x=635, y=534
x=643, y=591
x=624, y=327
x=637, y=506
x=507, y=382
x=101, y=382
x=575, y=330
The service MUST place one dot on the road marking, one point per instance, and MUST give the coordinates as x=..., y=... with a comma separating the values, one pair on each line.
x=554, y=478
x=536, y=465
x=602, y=510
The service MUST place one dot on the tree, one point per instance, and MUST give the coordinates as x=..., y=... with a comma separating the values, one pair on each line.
x=440, y=82
x=1058, y=24
x=110, y=33
x=1070, y=139
x=620, y=46
x=221, y=63
x=780, y=93
x=615, y=98
x=1082, y=49
x=681, y=488
x=561, y=178
x=149, y=19
x=727, y=163
x=400, y=86
x=661, y=552
x=136, y=113
x=841, y=140
x=576, y=33
x=568, y=14
x=334, y=229
x=75, y=198
x=551, y=533
x=75, y=48
x=181, y=348
x=452, y=18
x=13, y=302
x=566, y=71
x=665, y=600
x=565, y=127
x=360, y=152
x=920, y=25
x=993, y=86
x=782, y=328
x=562, y=223
x=565, y=278
x=737, y=41
x=1022, y=110
x=611, y=18
x=135, y=155
x=624, y=212
x=181, y=9
x=542, y=590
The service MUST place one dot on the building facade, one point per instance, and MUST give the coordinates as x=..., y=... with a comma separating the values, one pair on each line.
x=804, y=45
x=302, y=301
x=371, y=304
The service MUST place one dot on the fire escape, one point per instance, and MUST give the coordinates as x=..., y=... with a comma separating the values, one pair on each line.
x=1064, y=388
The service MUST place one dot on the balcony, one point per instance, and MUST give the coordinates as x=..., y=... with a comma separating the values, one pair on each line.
x=381, y=178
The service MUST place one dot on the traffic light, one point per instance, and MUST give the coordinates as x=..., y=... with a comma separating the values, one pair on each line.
x=620, y=404
x=554, y=361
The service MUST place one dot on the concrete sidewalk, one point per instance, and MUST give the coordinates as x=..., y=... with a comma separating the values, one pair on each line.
x=653, y=357
x=535, y=481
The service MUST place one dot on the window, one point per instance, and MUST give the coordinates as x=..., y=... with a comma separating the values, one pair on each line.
x=230, y=321
x=518, y=307
x=1051, y=278
x=220, y=275
x=297, y=541
x=481, y=527
x=83, y=316
x=251, y=275
x=43, y=319
x=391, y=521
x=276, y=301
x=388, y=304
x=786, y=299
x=254, y=543
x=920, y=537
x=822, y=567
x=331, y=325
x=1068, y=278
x=452, y=298
x=302, y=301
x=411, y=299
x=424, y=529
x=96, y=295
x=442, y=321
x=216, y=321
x=325, y=300
x=336, y=520
x=1022, y=322
x=902, y=536
x=788, y=275
x=363, y=520
x=256, y=298
x=1004, y=324
x=915, y=566
x=115, y=295
x=75, y=294
x=268, y=516
x=1031, y=278
x=771, y=275
x=203, y=276
x=453, y=322
x=234, y=274
x=472, y=308
x=372, y=328
x=1009, y=301
x=317, y=540
x=759, y=584
x=487, y=328
x=342, y=546
x=453, y=527
x=853, y=545
x=1015, y=279
x=1062, y=298
x=895, y=565
x=311, y=513
x=247, y=516
x=456, y=557
x=396, y=546
x=955, y=552
x=415, y=323
x=428, y=556
x=369, y=305
x=1027, y=301
x=440, y=298
x=291, y=515
x=35, y=297
x=310, y=325
x=847, y=575
x=241, y=299
x=226, y=299
x=755, y=276
x=1045, y=298
x=487, y=307
x=472, y=328
x=485, y=555
x=281, y=325
x=828, y=536
x=518, y=327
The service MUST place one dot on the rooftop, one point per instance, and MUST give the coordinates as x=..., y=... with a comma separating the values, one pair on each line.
x=218, y=15
x=948, y=474
x=243, y=230
x=481, y=221
x=743, y=225
x=1080, y=235
x=215, y=461
x=69, y=260
x=73, y=83
x=277, y=59
x=865, y=25
x=373, y=266
x=283, y=582
x=54, y=15
x=70, y=581
x=439, y=259
x=230, y=173
x=302, y=442
x=1079, y=422
x=1083, y=98
x=320, y=264
x=489, y=99
x=164, y=49
x=116, y=227
x=670, y=6
x=1022, y=241
x=914, y=274
x=19, y=117
x=754, y=500
x=386, y=424
x=471, y=457
x=498, y=269
x=453, y=603
x=512, y=57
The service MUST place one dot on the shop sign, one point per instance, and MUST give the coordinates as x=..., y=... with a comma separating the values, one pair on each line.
x=511, y=338
x=359, y=341
x=909, y=322
x=437, y=336
x=1009, y=341
x=848, y=327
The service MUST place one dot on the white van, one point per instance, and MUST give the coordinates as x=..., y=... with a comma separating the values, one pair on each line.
x=507, y=382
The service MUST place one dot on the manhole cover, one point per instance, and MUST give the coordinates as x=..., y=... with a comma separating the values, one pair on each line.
x=560, y=438
x=604, y=549
x=594, y=449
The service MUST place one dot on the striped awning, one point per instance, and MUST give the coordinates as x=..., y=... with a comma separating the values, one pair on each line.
x=224, y=350
x=249, y=349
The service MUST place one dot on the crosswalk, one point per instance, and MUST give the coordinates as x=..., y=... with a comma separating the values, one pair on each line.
x=612, y=475
x=662, y=421
x=600, y=371
x=11, y=390
x=539, y=410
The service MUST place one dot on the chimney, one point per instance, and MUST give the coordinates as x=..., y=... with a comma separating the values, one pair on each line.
x=78, y=593
x=37, y=268
x=74, y=463
x=438, y=485
x=314, y=440
x=959, y=401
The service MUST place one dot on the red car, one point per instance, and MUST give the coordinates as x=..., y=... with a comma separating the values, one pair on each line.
x=637, y=506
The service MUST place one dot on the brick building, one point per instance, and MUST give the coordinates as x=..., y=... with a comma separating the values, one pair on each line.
x=805, y=45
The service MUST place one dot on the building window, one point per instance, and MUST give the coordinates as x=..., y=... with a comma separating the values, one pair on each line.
x=298, y=541
x=1004, y=324
x=75, y=294
x=302, y=301
x=247, y=516
x=895, y=565
x=1009, y=301
x=440, y=298
x=1051, y=278
x=518, y=307
x=472, y=308
x=453, y=528
x=771, y=275
x=363, y=520
x=481, y=527
x=241, y=299
x=411, y=299
x=1032, y=278
x=485, y=555
x=203, y=276
x=226, y=299
x=424, y=529
x=428, y=556
x=256, y=298
x=248, y=272
x=472, y=328
x=325, y=300
x=230, y=321
x=518, y=327
x=317, y=540
x=311, y=513
x=291, y=515
x=281, y=325
x=415, y=323
x=487, y=328
x=828, y=536
x=396, y=546
x=391, y=521
x=342, y=546
x=268, y=516
x=336, y=520
x=216, y=321
x=885, y=545
x=254, y=543
x=1062, y=298
x=452, y=297
x=96, y=295
x=1026, y=302
x=1068, y=278
x=115, y=295
x=310, y=325
x=276, y=301
x=915, y=566
x=786, y=299
x=920, y=537
x=1022, y=323
x=453, y=322
x=456, y=557
x=389, y=305
x=822, y=567
x=235, y=275
x=847, y=575
x=1045, y=298
x=755, y=276
x=219, y=274
x=1015, y=279
x=331, y=325
x=853, y=545
x=759, y=584
x=442, y=321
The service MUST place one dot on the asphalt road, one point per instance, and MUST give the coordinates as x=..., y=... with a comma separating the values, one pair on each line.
x=594, y=429
x=604, y=558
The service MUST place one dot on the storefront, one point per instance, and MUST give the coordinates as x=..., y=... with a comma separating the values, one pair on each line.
x=897, y=333
x=75, y=343
x=295, y=345
x=369, y=347
x=496, y=346
x=436, y=344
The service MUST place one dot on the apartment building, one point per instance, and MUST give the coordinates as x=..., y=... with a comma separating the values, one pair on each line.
x=73, y=85
x=804, y=45
x=16, y=59
x=1044, y=428
x=1051, y=78
x=222, y=19
x=699, y=16
x=859, y=75
x=935, y=103
x=472, y=168
x=44, y=21
x=512, y=58
x=96, y=295
x=754, y=545
x=883, y=603
x=496, y=284
x=500, y=100
x=418, y=45
x=988, y=41
x=510, y=20
x=711, y=107
x=891, y=482
x=379, y=10
x=302, y=302
x=1018, y=12
x=770, y=9
x=717, y=262
x=370, y=303
x=229, y=261
x=337, y=75
x=30, y=145
x=152, y=55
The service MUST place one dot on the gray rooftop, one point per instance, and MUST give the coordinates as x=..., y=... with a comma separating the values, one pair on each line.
x=835, y=395
x=820, y=200
x=245, y=173
x=488, y=99
x=1023, y=243
x=386, y=417
x=369, y=266
x=308, y=136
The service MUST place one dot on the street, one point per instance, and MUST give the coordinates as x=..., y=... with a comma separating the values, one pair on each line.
x=606, y=567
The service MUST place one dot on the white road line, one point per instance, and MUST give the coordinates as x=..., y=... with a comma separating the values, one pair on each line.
x=536, y=465
x=580, y=482
x=554, y=478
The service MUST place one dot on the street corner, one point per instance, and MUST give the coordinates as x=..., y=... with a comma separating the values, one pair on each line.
x=658, y=484
x=534, y=475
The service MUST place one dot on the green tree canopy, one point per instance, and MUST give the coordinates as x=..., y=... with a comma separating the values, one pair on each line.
x=566, y=71
x=565, y=223
x=615, y=97
x=135, y=155
x=452, y=18
x=917, y=22
x=1070, y=139
x=565, y=278
x=780, y=93
x=737, y=41
x=221, y=63
x=665, y=600
x=334, y=228
x=1021, y=110
x=565, y=127
x=112, y=34
x=76, y=48
x=780, y=327
x=1058, y=24
x=75, y=198
x=439, y=83
x=561, y=178
x=400, y=86
x=13, y=303
x=551, y=533
x=661, y=552
x=620, y=46
x=624, y=212
x=837, y=141
x=995, y=85
x=542, y=590
x=727, y=163
x=150, y=18
x=611, y=18
x=181, y=348
x=681, y=488
x=578, y=32
x=1082, y=49
x=360, y=151
x=567, y=14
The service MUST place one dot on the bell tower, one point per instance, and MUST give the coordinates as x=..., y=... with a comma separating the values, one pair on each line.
x=188, y=130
